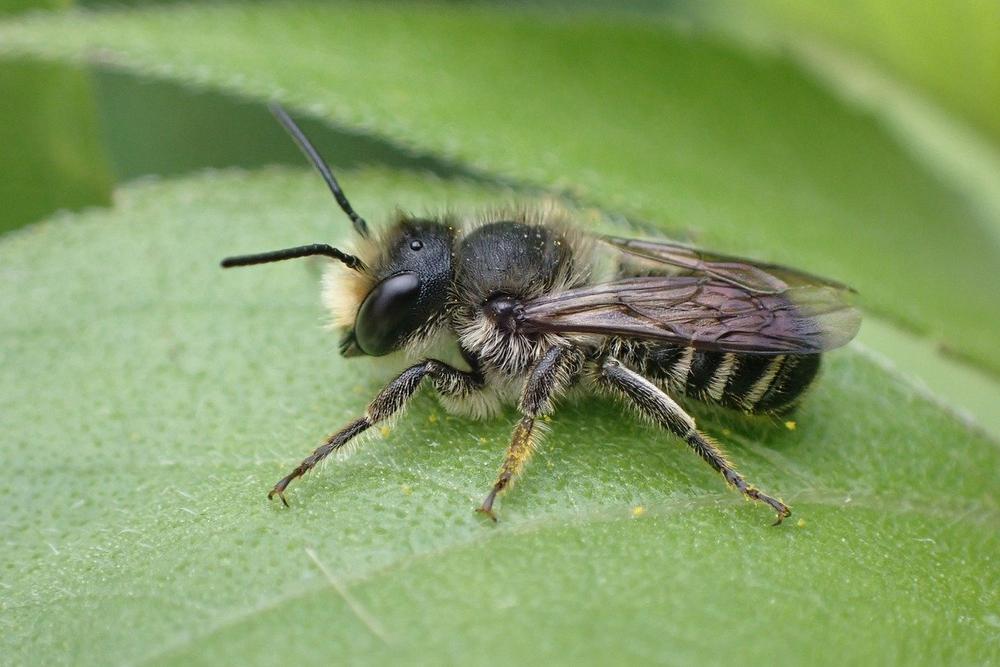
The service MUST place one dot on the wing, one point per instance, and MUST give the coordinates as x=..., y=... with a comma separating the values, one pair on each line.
x=701, y=312
x=753, y=276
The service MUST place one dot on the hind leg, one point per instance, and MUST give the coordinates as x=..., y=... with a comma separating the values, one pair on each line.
x=653, y=403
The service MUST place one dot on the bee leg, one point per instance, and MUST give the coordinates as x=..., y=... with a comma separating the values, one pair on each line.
x=555, y=371
x=653, y=403
x=522, y=446
x=389, y=402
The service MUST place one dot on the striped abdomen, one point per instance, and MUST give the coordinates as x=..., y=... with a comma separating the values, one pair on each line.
x=748, y=382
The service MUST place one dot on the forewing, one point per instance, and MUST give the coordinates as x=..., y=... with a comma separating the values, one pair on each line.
x=753, y=276
x=701, y=312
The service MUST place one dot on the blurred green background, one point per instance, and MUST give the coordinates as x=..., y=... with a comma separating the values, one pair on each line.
x=860, y=141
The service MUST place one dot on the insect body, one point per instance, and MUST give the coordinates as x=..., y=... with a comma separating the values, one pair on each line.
x=533, y=308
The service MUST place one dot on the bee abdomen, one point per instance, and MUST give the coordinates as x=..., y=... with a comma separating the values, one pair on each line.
x=747, y=382
x=789, y=383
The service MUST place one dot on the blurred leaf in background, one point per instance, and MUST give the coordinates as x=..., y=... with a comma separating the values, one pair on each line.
x=948, y=50
x=166, y=128
x=16, y=6
x=53, y=155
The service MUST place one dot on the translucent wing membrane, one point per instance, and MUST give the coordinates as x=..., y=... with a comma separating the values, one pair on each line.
x=703, y=312
x=753, y=276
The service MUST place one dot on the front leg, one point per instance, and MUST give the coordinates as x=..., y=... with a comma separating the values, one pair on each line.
x=555, y=371
x=389, y=402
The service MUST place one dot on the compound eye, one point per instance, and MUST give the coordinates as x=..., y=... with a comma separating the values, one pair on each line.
x=387, y=314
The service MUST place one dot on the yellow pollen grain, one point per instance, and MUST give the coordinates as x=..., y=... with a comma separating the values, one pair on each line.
x=801, y=523
x=726, y=432
x=790, y=425
x=432, y=418
x=638, y=511
x=406, y=489
x=385, y=430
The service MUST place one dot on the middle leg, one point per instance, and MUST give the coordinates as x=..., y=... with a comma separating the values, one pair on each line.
x=553, y=373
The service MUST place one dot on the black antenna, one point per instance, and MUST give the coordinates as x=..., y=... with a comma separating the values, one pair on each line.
x=360, y=226
x=351, y=261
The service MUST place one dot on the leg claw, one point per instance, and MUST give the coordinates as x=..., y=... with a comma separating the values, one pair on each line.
x=281, y=494
x=780, y=508
x=783, y=513
x=488, y=512
x=279, y=488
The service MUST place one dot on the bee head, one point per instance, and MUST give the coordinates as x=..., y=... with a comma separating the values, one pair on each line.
x=394, y=293
x=408, y=287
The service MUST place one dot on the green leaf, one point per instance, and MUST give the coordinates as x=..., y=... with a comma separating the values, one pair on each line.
x=15, y=6
x=964, y=37
x=637, y=117
x=151, y=399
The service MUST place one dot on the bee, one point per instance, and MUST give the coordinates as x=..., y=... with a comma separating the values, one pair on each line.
x=533, y=308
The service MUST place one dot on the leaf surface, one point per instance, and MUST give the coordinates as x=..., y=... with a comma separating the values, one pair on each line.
x=168, y=395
